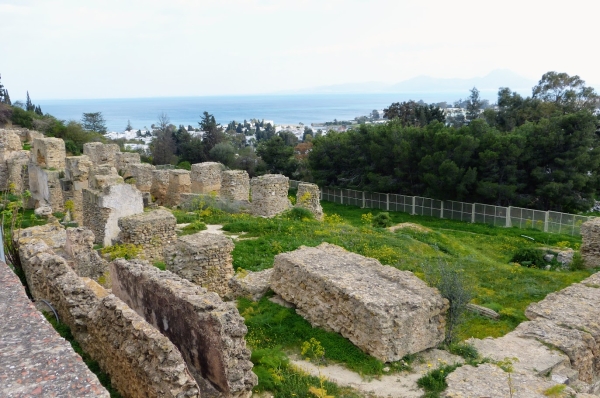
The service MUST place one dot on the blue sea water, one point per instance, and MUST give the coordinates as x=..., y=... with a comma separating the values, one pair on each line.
x=282, y=109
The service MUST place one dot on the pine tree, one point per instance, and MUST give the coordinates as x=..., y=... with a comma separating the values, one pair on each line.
x=38, y=110
x=4, y=97
x=29, y=107
x=129, y=127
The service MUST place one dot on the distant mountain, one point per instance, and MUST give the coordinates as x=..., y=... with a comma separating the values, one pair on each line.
x=426, y=84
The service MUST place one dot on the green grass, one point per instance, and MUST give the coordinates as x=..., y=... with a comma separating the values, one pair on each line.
x=65, y=332
x=434, y=381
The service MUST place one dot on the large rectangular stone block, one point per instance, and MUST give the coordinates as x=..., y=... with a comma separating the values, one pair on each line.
x=206, y=177
x=386, y=312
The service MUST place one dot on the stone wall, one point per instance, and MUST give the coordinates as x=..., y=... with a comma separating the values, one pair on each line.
x=77, y=174
x=208, y=332
x=206, y=177
x=385, y=312
x=308, y=197
x=125, y=159
x=590, y=243
x=269, y=195
x=235, y=185
x=179, y=182
x=45, y=187
x=204, y=259
x=49, y=153
x=100, y=153
x=141, y=361
x=142, y=174
x=153, y=230
x=160, y=186
x=18, y=171
x=81, y=256
x=103, y=208
x=9, y=145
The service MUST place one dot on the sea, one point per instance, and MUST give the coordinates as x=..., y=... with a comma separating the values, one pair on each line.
x=282, y=109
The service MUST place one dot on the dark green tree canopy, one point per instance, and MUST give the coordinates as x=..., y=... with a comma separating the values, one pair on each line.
x=569, y=93
x=411, y=113
x=94, y=121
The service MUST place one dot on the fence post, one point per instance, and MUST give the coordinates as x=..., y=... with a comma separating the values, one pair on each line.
x=473, y=212
x=414, y=205
x=363, y=200
x=320, y=194
x=508, y=222
x=442, y=209
x=387, y=202
x=546, y=218
x=341, y=196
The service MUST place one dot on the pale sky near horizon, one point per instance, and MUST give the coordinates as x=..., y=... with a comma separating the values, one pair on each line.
x=149, y=48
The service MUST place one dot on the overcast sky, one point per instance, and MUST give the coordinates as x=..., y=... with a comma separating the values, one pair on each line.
x=130, y=48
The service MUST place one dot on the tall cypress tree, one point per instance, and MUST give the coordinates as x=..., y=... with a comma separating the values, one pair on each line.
x=4, y=97
x=29, y=105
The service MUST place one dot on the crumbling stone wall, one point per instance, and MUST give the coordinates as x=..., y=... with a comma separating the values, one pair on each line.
x=235, y=185
x=9, y=145
x=386, y=312
x=206, y=177
x=77, y=174
x=142, y=174
x=100, y=153
x=160, y=186
x=590, y=243
x=140, y=360
x=81, y=256
x=179, y=182
x=153, y=230
x=18, y=171
x=103, y=208
x=208, y=332
x=308, y=197
x=204, y=259
x=49, y=153
x=46, y=167
x=269, y=195
x=124, y=159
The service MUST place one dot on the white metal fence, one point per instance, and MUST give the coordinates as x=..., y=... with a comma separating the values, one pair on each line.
x=547, y=221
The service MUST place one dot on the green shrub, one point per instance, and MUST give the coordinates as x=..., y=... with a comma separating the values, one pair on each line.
x=529, y=257
x=127, y=251
x=194, y=227
x=382, y=220
x=577, y=263
x=160, y=265
x=299, y=214
x=464, y=350
x=434, y=381
x=184, y=165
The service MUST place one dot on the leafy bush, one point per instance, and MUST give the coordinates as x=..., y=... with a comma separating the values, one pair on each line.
x=127, y=251
x=434, y=381
x=194, y=227
x=464, y=350
x=299, y=214
x=382, y=220
x=529, y=257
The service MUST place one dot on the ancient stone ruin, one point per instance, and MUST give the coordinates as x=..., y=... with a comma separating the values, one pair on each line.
x=153, y=231
x=179, y=182
x=386, y=312
x=235, y=185
x=206, y=177
x=590, y=243
x=46, y=167
x=159, y=186
x=250, y=285
x=204, y=259
x=308, y=197
x=269, y=195
x=100, y=153
x=141, y=174
x=13, y=163
x=208, y=332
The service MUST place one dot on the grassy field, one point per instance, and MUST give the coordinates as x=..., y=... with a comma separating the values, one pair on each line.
x=479, y=252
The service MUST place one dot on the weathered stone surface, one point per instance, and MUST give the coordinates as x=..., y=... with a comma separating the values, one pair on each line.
x=102, y=210
x=104, y=175
x=208, y=332
x=100, y=153
x=48, y=153
x=235, y=185
x=206, y=177
x=204, y=259
x=386, y=312
x=565, y=257
x=53, y=234
x=590, y=243
x=251, y=285
x=152, y=230
x=124, y=159
x=577, y=345
x=35, y=360
x=308, y=197
x=83, y=259
x=45, y=187
x=18, y=172
x=43, y=211
x=142, y=174
x=532, y=356
x=10, y=144
x=269, y=195
x=179, y=182
x=140, y=361
x=77, y=175
x=160, y=186
x=489, y=380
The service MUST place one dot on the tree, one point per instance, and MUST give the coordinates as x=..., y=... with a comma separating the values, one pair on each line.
x=29, y=107
x=94, y=121
x=375, y=114
x=212, y=133
x=277, y=155
x=129, y=127
x=569, y=93
x=473, y=105
x=411, y=113
x=4, y=97
x=224, y=153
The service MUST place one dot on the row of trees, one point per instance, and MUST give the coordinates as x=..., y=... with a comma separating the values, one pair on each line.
x=540, y=152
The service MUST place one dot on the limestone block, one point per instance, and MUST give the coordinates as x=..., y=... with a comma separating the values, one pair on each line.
x=160, y=185
x=488, y=380
x=48, y=153
x=52, y=234
x=251, y=285
x=152, y=230
x=308, y=197
x=124, y=159
x=204, y=259
x=142, y=174
x=385, y=312
x=103, y=208
x=78, y=170
x=46, y=187
x=590, y=243
x=100, y=153
x=179, y=182
x=208, y=332
x=83, y=259
x=269, y=195
x=17, y=172
x=565, y=257
x=206, y=177
x=9, y=143
x=235, y=185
